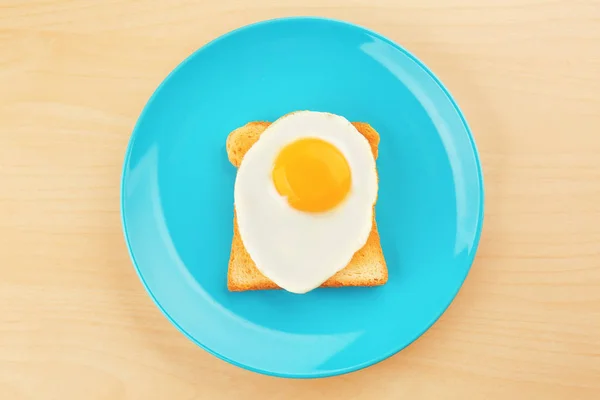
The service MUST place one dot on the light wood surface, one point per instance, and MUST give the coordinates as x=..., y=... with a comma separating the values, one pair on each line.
x=75, y=322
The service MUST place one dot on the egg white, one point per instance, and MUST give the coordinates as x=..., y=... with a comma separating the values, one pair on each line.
x=298, y=250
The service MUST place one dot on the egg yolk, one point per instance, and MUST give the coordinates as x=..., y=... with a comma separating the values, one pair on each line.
x=313, y=174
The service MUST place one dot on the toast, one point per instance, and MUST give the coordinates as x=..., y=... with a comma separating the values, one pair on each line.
x=366, y=268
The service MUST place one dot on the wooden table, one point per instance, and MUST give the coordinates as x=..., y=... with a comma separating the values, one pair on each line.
x=75, y=322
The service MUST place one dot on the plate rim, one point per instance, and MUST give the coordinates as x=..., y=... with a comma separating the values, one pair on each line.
x=423, y=66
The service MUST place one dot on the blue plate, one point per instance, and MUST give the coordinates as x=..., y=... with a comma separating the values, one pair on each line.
x=177, y=195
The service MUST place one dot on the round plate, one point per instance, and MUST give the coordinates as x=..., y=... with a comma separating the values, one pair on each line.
x=177, y=195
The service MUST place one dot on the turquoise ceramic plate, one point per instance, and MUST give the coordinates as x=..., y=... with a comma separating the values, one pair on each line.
x=177, y=195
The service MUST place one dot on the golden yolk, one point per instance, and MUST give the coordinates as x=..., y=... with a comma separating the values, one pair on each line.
x=313, y=174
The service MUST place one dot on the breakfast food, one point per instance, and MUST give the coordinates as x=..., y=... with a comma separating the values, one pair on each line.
x=304, y=204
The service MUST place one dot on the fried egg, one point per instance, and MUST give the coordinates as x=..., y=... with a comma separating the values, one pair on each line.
x=304, y=196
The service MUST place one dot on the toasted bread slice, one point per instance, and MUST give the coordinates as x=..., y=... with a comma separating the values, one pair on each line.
x=367, y=267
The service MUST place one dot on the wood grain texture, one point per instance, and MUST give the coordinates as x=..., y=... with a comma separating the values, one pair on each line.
x=75, y=322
